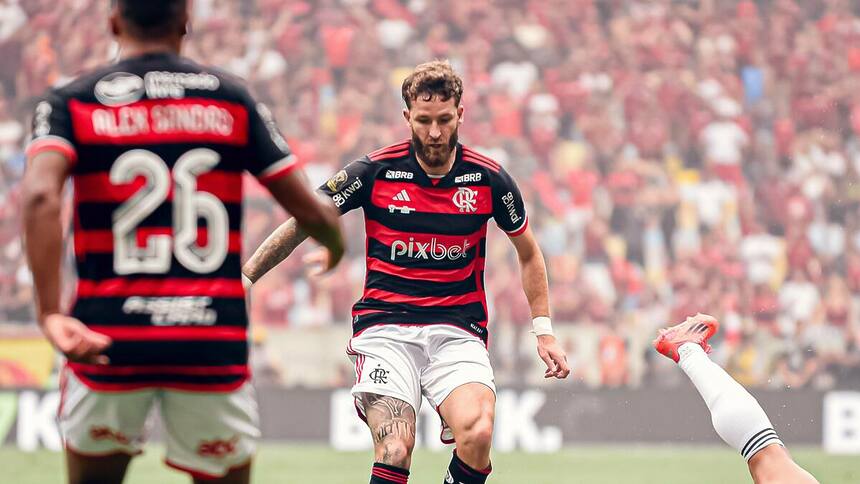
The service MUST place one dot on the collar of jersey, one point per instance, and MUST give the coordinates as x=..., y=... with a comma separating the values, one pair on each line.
x=422, y=175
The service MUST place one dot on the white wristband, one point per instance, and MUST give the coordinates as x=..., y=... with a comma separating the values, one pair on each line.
x=246, y=283
x=541, y=325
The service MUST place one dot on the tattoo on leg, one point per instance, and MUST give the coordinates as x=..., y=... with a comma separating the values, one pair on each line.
x=389, y=416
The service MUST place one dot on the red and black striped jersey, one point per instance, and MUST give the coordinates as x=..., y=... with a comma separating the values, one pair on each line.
x=158, y=146
x=426, y=238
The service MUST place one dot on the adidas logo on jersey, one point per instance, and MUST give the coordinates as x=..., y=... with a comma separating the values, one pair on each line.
x=403, y=196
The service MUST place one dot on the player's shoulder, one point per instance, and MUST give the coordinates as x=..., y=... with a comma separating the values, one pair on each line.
x=391, y=154
x=83, y=85
x=228, y=81
x=474, y=159
x=391, y=159
x=183, y=74
x=153, y=76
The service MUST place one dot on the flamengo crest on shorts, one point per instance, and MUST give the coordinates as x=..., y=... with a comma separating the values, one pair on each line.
x=426, y=239
x=158, y=145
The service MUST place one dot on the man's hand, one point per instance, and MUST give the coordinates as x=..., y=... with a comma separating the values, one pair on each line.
x=315, y=216
x=552, y=354
x=73, y=339
x=321, y=261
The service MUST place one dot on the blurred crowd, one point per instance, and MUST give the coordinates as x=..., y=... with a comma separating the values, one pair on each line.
x=677, y=156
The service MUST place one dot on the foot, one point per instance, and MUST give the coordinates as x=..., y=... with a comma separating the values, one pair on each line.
x=696, y=329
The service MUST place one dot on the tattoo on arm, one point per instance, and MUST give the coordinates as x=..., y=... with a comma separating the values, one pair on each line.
x=389, y=416
x=280, y=244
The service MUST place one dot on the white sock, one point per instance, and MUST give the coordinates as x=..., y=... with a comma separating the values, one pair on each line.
x=737, y=416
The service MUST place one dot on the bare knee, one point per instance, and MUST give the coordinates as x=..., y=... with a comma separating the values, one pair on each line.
x=470, y=411
x=477, y=434
x=395, y=452
x=392, y=423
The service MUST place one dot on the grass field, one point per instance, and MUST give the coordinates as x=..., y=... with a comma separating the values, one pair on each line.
x=598, y=465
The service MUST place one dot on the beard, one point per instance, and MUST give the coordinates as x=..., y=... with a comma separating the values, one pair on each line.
x=435, y=156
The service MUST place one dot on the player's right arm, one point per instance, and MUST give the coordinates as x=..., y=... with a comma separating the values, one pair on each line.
x=49, y=158
x=312, y=217
x=276, y=167
x=346, y=188
x=277, y=247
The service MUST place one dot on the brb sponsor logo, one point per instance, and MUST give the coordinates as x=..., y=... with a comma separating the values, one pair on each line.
x=468, y=178
x=399, y=175
x=466, y=200
x=428, y=250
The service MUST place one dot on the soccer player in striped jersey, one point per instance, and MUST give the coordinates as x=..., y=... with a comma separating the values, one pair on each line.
x=737, y=416
x=420, y=328
x=155, y=146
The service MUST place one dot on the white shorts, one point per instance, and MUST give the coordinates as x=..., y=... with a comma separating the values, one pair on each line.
x=406, y=362
x=208, y=434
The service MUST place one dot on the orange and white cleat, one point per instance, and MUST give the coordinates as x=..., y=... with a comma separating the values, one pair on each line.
x=696, y=329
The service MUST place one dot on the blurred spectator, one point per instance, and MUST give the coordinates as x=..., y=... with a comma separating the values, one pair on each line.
x=678, y=156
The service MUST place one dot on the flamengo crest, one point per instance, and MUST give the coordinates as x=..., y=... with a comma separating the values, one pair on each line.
x=466, y=199
x=378, y=375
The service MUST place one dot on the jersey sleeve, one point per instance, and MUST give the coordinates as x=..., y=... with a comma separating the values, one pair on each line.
x=349, y=187
x=52, y=128
x=509, y=210
x=270, y=156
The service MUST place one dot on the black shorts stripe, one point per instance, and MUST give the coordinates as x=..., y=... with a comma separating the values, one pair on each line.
x=378, y=250
x=108, y=311
x=178, y=353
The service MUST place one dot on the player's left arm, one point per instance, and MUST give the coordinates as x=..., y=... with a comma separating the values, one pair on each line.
x=509, y=212
x=272, y=161
x=536, y=288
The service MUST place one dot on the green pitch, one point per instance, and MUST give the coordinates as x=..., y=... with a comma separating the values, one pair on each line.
x=589, y=465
